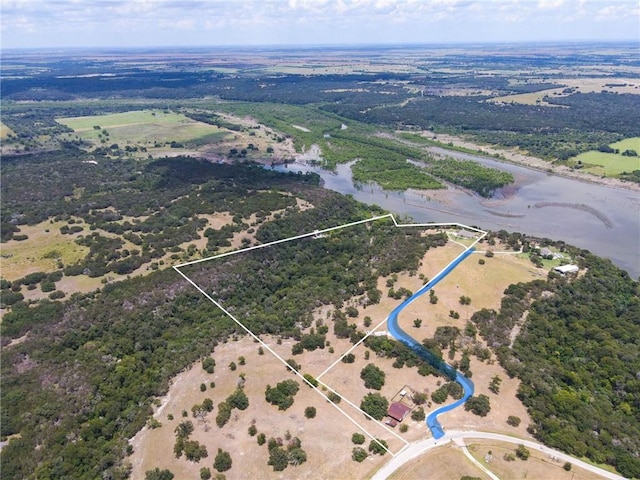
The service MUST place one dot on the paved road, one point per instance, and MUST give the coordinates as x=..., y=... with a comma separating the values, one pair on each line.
x=416, y=449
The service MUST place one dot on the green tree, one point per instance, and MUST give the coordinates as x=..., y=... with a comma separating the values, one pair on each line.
x=357, y=438
x=479, y=405
x=252, y=430
x=513, y=420
x=238, y=399
x=223, y=461
x=375, y=405
x=378, y=446
x=417, y=322
x=522, y=452
x=418, y=415
x=157, y=474
x=373, y=376
x=310, y=412
x=224, y=414
x=359, y=454
x=278, y=459
x=205, y=473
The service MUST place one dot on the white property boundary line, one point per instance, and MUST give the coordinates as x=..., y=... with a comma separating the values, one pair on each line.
x=315, y=233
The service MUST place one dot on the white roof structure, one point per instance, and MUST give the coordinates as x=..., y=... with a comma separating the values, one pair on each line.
x=567, y=269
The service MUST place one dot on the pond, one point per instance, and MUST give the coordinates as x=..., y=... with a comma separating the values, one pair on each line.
x=602, y=219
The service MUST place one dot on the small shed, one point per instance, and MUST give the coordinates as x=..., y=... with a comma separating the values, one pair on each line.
x=398, y=411
x=564, y=269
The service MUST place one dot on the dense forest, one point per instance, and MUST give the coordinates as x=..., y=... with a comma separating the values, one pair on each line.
x=577, y=357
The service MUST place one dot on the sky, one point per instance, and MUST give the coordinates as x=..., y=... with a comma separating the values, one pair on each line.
x=158, y=23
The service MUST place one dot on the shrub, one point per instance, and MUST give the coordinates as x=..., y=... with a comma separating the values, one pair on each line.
x=359, y=454
x=223, y=461
x=513, y=420
x=378, y=446
x=522, y=452
x=418, y=415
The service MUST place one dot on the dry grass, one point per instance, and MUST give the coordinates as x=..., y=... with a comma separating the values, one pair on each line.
x=444, y=463
x=582, y=85
x=538, y=466
x=45, y=240
x=4, y=130
x=327, y=437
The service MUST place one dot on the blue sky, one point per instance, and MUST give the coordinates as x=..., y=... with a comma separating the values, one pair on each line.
x=149, y=23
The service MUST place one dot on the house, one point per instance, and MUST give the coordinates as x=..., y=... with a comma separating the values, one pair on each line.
x=546, y=253
x=564, y=269
x=397, y=411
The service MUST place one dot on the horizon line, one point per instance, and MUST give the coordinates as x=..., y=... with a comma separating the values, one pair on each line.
x=292, y=46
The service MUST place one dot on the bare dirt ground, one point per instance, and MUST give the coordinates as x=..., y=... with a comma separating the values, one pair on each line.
x=516, y=156
x=327, y=438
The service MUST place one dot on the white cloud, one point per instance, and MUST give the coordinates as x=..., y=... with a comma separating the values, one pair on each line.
x=311, y=21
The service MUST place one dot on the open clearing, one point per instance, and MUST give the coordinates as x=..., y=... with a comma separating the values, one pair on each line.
x=582, y=85
x=4, y=130
x=327, y=438
x=443, y=463
x=41, y=251
x=601, y=163
x=538, y=466
x=146, y=128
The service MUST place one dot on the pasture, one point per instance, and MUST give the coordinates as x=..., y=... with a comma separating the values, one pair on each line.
x=582, y=85
x=4, y=131
x=143, y=128
x=611, y=164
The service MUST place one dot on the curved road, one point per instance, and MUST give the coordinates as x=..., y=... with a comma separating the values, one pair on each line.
x=422, y=352
x=416, y=449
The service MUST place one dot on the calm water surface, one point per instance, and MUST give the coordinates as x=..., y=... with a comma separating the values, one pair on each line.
x=601, y=219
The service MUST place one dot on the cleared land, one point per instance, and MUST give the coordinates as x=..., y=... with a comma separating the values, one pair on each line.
x=582, y=85
x=601, y=163
x=327, y=438
x=41, y=251
x=149, y=128
x=443, y=463
x=4, y=131
x=538, y=466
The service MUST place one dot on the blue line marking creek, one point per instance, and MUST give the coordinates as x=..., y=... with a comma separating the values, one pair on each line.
x=422, y=352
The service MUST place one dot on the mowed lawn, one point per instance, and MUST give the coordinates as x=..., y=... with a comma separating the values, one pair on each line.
x=143, y=127
x=612, y=164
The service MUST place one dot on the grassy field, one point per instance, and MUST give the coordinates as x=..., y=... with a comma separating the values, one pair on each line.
x=539, y=465
x=41, y=251
x=612, y=164
x=582, y=85
x=143, y=127
x=4, y=131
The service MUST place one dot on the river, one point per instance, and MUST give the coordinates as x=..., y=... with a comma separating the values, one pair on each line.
x=602, y=219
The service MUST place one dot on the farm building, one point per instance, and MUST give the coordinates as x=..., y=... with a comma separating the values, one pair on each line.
x=564, y=269
x=397, y=411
